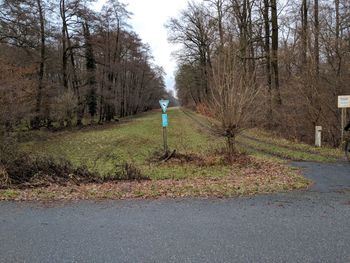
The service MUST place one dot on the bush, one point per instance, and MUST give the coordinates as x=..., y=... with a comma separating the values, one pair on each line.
x=8, y=147
x=25, y=171
x=28, y=172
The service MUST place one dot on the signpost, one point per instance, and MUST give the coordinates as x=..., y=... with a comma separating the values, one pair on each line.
x=164, y=105
x=343, y=104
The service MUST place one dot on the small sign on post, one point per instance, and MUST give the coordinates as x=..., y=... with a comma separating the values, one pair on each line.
x=343, y=104
x=343, y=101
x=164, y=105
x=164, y=120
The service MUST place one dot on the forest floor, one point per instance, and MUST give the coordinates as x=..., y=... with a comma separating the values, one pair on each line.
x=198, y=168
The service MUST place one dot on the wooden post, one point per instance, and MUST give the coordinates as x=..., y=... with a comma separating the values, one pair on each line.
x=342, y=125
x=344, y=104
x=165, y=140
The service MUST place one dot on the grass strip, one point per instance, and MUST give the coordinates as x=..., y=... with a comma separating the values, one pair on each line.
x=266, y=137
x=283, y=152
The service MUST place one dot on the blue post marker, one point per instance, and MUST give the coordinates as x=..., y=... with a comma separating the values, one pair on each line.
x=165, y=120
x=164, y=105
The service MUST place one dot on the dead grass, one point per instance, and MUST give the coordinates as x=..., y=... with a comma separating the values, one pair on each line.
x=25, y=172
x=261, y=177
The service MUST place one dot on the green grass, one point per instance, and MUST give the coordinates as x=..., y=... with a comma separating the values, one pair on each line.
x=9, y=194
x=284, y=152
x=138, y=141
x=133, y=141
x=268, y=138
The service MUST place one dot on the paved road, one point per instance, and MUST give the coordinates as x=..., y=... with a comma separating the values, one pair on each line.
x=308, y=226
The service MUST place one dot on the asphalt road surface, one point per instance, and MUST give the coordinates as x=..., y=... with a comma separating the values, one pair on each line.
x=306, y=226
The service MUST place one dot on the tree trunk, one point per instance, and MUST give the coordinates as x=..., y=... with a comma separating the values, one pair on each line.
x=38, y=117
x=75, y=84
x=268, y=61
x=304, y=32
x=250, y=35
x=317, y=32
x=337, y=37
x=219, y=4
x=91, y=68
x=231, y=147
x=274, y=57
x=64, y=48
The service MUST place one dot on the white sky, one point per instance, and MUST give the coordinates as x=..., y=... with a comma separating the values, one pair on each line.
x=148, y=19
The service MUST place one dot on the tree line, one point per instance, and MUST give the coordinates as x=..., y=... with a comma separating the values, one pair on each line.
x=292, y=57
x=61, y=61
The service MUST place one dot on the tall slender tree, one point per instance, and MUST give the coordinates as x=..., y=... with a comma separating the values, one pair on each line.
x=274, y=53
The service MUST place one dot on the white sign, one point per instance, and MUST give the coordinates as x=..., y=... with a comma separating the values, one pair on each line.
x=164, y=104
x=344, y=101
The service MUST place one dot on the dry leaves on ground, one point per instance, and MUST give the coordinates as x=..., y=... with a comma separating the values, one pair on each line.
x=259, y=177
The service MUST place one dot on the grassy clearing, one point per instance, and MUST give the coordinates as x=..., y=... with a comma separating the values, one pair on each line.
x=138, y=141
x=134, y=141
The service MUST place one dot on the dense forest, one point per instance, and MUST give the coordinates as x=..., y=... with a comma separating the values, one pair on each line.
x=289, y=59
x=273, y=64
x=64, y=64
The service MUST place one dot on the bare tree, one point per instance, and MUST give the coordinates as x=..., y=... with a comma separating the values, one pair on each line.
x=71, y=48
x=196, y=30
x=233, y=96
x=304, y=33
x=19, y=28
x=298, y=48
x=317, y=38
x=267, y=54
x=274, y=53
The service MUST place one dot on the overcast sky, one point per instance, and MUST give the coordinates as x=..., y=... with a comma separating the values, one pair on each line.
x=149, y=17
